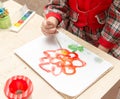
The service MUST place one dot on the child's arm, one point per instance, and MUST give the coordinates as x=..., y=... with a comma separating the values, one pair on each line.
x=57, y=8
x=110, y=35
x=55, y=12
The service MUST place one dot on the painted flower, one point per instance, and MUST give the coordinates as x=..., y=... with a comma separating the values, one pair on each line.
x=61, y=60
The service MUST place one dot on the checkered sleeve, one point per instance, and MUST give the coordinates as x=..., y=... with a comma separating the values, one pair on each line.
x=57, y=8
x=111, y=31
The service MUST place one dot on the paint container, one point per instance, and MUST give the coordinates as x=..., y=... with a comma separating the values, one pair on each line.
x=5, y=22
x=18, y=87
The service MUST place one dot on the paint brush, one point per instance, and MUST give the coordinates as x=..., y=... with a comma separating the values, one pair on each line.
x=58, y=42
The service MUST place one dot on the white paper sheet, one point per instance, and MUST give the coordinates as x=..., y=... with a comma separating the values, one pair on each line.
x=71, y=85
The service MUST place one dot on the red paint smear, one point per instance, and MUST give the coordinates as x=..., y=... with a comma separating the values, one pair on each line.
x=60, y=60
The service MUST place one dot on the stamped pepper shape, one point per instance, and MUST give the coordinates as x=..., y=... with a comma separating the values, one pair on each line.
x=60, y=61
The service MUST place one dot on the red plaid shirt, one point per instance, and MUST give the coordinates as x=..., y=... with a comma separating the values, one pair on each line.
x=108, y=36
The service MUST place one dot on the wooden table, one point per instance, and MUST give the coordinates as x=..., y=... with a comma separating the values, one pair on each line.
x=11, y=65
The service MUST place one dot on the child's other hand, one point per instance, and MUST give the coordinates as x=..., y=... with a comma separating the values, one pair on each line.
x=103, y=48
x=49, y=26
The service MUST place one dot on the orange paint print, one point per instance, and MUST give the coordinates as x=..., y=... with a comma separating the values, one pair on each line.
x=60, y=60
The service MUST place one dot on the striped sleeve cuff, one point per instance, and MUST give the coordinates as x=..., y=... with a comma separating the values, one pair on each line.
x=56, y=15
x=105, y=43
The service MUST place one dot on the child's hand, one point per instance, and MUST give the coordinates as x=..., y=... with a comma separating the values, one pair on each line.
x=49, y=26
x=103, y=48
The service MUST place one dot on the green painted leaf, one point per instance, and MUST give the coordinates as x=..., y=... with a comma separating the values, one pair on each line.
x=80, y=48
x=73, y=47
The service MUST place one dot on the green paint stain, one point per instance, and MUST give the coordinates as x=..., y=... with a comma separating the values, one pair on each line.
x=75, y=48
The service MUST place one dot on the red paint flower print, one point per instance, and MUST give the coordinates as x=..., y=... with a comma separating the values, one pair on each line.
x=60, y=60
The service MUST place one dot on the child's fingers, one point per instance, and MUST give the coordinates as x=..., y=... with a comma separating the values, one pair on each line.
x=47, y=25
x=49, y=31
x=50, y=24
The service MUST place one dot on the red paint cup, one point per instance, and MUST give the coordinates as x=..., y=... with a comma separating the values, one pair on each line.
x=18, y=87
